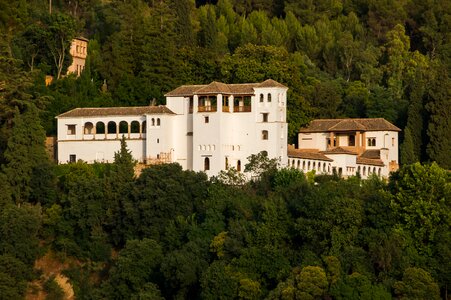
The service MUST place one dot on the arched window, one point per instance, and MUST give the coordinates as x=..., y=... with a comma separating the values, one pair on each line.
x=264, y=134
x=134, y=127
x=292, y=163
x=226, y=163
x=288, y=161
x=112, y=127
x=319, y=166
x=379, y=172
x=158, y=122
x=238, y=165
x=374, y=170
x=144, y=127
x=100, y=127
x=328, y=168
x=153, y=122
x=269, y=97
x=89, y=128
x=206, y=164
x=324, y=167
x=299, y=164
x=308, y=166
x=314, y=165
x=238, y=148
x=303, y=165
x=358, y=169
x=123, y=127
x=261, y=97
x=364, y=171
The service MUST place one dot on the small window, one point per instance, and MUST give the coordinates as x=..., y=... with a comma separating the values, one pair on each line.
x=261, y=97
x=226, y=163
x=72, y=158
x=269, y=97
x=153, y=122
x=371, y=142
x=264, y=134
x=393, y=142
x=70, y=129
x=158, y=141
x=207, y=119
x=238, y=165
x=158, y=122
x=265, y=117
x=206, y=164
x=351, y=140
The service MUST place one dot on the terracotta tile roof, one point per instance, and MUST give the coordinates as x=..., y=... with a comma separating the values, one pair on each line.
x=184, y=90
x=222, y=88
x=372, y=154
x=369, y=161
x=298, y=153
x=115, y=111
x=271, y=83
x=215, y=88
x=370, y=124
x=339, y=150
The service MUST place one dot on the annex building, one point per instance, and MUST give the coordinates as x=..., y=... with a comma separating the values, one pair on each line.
x=202, y=127
x=347, y=147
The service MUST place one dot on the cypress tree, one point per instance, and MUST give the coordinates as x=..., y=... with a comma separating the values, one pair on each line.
x=407, y=149
x=24, y=152
x=439, y=127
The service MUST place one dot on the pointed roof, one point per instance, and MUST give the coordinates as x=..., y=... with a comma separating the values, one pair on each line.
x=116, y=111
x=334, y=125
x=222, y=88
x=271, y=83
x=215, y=88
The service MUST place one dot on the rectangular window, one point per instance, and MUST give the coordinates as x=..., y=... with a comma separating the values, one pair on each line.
x=207, y=119
x=72, y=158
x=265, y=117
x=392, y=142
x=70, y=129
x=351, y=140
x=264, y=134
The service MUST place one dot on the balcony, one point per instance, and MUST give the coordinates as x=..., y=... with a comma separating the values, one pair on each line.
x=242, y=108
x=206, y=108
x=226, y=109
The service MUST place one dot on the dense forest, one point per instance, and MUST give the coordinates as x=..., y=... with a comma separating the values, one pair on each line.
x=174, y=234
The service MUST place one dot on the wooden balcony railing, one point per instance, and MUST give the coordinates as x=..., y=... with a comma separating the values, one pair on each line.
x=225, y=109
x=206, y=108
x=242, y=109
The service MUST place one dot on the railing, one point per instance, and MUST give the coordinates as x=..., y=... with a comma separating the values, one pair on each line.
x=225, y=109
x=206, y=108
x=242, y=109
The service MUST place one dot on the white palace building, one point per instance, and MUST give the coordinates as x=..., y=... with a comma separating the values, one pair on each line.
x=202, y=127
x=217, y=126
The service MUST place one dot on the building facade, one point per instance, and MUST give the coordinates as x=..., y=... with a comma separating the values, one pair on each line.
x=347, y=147
x=79, y=52
x=202, y=127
